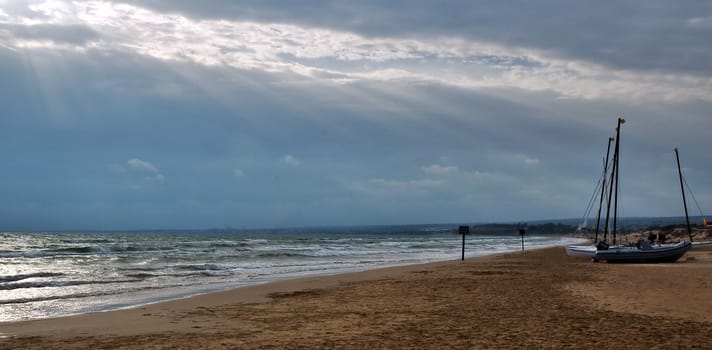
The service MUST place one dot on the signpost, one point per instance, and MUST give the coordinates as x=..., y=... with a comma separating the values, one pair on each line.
x=464, y=230
x=521, y=233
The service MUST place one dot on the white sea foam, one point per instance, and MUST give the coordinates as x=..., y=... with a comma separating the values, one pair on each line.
x=53, y=274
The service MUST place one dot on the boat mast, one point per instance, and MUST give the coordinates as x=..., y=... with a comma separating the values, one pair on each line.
x=603, y=187
x=682, y=187
x=613, y=178
x=617, y=167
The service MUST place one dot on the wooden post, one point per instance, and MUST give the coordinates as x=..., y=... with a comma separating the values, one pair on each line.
x=521, y=233
x=464, y=230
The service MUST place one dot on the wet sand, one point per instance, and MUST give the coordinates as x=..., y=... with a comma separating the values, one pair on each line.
x=534, y=300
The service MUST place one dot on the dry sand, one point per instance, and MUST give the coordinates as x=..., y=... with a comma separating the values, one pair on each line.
x=533, y=300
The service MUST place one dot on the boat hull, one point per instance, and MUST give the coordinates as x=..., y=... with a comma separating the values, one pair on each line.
x=633, y=254
x=581, y=251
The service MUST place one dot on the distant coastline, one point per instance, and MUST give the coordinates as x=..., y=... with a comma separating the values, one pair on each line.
x=569, y=226
x=539, y=226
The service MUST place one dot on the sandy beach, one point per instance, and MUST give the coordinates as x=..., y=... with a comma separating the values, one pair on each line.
x=537, y=299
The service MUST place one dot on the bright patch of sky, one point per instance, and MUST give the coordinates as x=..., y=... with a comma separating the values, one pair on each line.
x=333, y=55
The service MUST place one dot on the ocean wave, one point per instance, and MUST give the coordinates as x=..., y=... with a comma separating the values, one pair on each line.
x=201, y=267
x=83, y=250
x=206, y=270
x=45, y=284
x=236, y=246
x=204, y=273
x=81, y=295
x=21, y=277
x=188, y=274
x=84, y=247
x=43, y=253
x=77, y=250
x=137, y=248
x=286, y=254
x=143, y=268
x=142, y=275
x=221, y=273
x=434, y=245
x=86, y=240
x=165, y=260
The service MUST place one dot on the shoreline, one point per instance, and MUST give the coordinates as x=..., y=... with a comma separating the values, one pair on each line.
x=144, y=298
x=251, y=293
x=265, y=286
x=539, y=298
x=98, y=272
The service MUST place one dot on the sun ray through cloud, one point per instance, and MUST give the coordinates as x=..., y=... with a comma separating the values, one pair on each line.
x=360, y=104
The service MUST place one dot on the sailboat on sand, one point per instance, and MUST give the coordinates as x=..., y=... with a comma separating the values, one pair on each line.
x=642, y=251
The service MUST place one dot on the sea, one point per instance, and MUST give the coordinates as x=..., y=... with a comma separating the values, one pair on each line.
x=51, y=274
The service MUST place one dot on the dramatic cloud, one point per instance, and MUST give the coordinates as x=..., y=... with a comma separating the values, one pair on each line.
x=632, y=34
x=138, y=164
x=153, y=114
x=336, y=53
x=139, y=170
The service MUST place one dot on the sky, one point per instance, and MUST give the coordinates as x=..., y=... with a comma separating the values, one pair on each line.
x=157, y=114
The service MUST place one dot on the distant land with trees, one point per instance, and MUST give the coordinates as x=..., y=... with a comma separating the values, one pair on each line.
x=569, y=226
